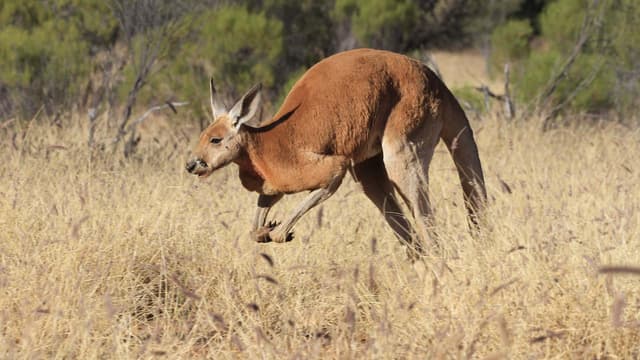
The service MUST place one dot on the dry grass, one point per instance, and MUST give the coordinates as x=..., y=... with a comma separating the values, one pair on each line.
x=105, y=258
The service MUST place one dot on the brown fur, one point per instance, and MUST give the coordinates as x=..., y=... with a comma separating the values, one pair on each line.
x=376, y=112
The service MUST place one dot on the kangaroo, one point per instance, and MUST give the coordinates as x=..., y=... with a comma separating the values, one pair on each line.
x=376, y=114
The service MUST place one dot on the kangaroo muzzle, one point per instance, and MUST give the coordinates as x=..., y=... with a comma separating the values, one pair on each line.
x=194, y=165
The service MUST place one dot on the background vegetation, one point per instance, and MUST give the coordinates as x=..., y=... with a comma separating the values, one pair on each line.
x=61, y=55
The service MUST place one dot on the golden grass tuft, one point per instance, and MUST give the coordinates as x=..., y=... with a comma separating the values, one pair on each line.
x=102, y=257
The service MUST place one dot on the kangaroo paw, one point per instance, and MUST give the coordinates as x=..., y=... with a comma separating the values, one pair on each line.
x=279, y=237
x=261, y=235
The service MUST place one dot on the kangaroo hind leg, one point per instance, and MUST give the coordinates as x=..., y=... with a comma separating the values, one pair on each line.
x=407, y=163
x=376, y=185
x=265, y=203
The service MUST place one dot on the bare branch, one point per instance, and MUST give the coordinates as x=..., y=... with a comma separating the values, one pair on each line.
x=131, y=144
x=583, y=84
x=485, y=90
x=153, y=109
x=155, y=23
x=173, y=108
x=509, y=107
x=6, y=123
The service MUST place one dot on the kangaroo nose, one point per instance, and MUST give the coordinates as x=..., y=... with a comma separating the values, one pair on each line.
x=191, y=165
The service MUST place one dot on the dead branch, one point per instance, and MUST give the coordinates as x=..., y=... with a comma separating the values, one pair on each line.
x=131, y=144
x=6, y=123
x=581, y=85
x=509, y=107
x=92, y=114
x=487, y=92
x=140, y=119
x=156, y=22
x=585, y=34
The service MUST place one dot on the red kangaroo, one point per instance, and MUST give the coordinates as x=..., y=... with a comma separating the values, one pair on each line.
x=374, y=113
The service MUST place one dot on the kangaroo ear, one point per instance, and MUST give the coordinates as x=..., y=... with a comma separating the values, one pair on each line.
x=247, y=110
x=217, y=107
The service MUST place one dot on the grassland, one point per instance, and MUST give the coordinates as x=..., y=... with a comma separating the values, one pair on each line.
x=102, y=257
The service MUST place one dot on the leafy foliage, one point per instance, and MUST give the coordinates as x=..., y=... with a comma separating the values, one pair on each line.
x=307, y=31
x=52, y=52
x=44, y=55
x=238, y=48
x=511, y=41
x=623, y=45
x=592, y=83
x=470, y=98
x=380, y=23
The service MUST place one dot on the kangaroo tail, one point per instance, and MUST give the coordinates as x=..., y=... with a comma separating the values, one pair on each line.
x=458, y=136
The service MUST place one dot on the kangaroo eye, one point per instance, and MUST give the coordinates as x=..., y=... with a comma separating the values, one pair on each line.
x=215, y=140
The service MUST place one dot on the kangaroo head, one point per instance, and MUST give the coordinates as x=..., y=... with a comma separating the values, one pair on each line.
x=223, y=141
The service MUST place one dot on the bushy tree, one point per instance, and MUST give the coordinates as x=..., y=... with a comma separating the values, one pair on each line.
x=404, y=25
x=241, y=47
x=46, y=48
x=234, y=45
x=383, y=24
x=624, y=37
x=307, y=31
x=511, y=42
x=52, y=51
x=578, y=58
x=459, y=23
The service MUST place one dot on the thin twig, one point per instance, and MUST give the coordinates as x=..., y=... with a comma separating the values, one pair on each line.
x=170, y=105
x=509, y=107
x=485, y=90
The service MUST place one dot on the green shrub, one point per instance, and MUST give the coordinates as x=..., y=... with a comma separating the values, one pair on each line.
x=384, y=24
x=596, y=81
x=560, y=23
x=235, y=46
x=534, y=74
x=590, y=83
x=468, y=96
x=510, y=42
x=242, y=47
x=45, y=58
x=624, y=40
x=308, y=30
x=44, y=64
x=586, y=87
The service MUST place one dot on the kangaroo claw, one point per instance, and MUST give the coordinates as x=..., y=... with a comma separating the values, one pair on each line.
x=273, y=223
x=289, y=237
